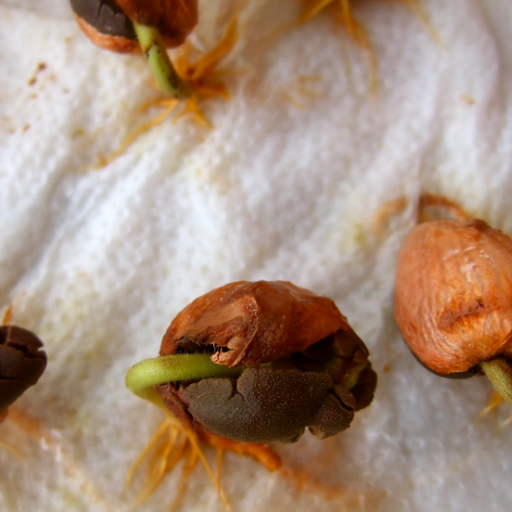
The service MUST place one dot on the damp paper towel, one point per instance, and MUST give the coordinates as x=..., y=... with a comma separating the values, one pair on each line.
x=306, y=176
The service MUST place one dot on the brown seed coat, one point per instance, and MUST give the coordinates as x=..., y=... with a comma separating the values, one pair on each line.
x=175, y=19
x=256, y=322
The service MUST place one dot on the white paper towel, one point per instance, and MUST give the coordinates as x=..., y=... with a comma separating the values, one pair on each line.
x=287, y=186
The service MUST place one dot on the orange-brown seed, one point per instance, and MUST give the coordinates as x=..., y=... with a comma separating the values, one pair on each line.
x=453, y=294
x=108, y=23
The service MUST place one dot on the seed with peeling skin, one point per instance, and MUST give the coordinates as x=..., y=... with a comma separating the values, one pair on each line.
x=22, y=362
x=287, y=359
x=129, y=26
x=453, y=296
x=109, y=23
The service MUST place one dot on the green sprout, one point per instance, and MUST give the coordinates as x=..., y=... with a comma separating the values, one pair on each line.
x=161, y=66
x=142, y=378
x=499, y=372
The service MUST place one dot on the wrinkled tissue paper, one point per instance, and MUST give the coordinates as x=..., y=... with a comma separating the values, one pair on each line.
x=306, y=176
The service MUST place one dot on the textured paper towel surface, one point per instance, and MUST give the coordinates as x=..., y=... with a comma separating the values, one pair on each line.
x=288, y=185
